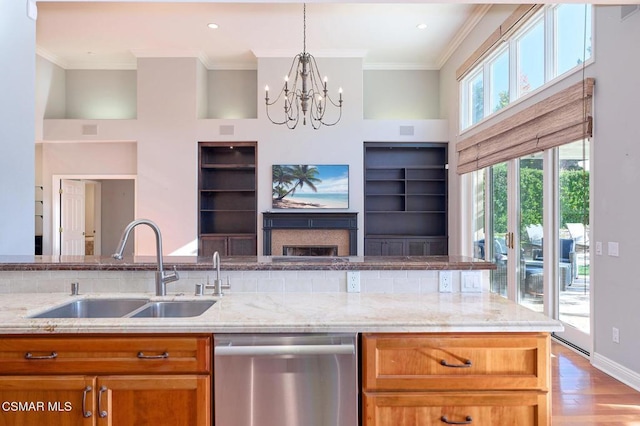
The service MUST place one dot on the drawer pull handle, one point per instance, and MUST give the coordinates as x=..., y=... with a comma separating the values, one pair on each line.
x=102, y=413
x=163, y=355
x=466, y=364
x=467, y=421
x=29, y=355
x=86, y=414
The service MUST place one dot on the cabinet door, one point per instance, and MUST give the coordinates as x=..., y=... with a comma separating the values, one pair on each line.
x=443, y=362
x=426, y=246
x=47, y=400
x=472, y=408
x=242, y=246
x=105, y=355
x=384, y=247
x=161, y=400
x=417, y=247
x=209, y=245
x=437, y=246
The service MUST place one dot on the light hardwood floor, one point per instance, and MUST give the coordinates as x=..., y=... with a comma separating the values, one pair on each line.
x=584, y=396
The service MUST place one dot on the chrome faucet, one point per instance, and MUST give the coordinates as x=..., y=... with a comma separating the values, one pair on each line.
x=162, y=277
x=217, y=282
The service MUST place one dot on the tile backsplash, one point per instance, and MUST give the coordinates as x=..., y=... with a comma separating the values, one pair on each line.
x=398, y=281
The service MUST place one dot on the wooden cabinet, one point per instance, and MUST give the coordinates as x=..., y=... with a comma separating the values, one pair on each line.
x=426, y=379
x=405, y=246
x=227, y=204
x=405, y=198
x=132, y=380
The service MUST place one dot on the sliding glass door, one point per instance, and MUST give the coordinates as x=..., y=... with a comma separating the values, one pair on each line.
x=534, y=225
x=573, y=298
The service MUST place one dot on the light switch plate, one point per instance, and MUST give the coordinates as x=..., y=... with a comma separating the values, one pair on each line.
x=612, y=249
x=471, y=281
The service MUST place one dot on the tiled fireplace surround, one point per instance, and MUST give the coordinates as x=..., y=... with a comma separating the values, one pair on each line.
x=310, y=229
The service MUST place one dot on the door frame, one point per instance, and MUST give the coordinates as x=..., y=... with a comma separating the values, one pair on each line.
x=56, y=208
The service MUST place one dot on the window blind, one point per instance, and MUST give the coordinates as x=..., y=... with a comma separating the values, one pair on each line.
x=511, y=24
x=559, y=119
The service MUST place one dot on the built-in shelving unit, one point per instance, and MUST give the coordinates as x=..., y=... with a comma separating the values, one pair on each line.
x=227, y=198
x=405, y=199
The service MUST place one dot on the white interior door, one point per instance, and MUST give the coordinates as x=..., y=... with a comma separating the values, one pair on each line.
x=72, y=231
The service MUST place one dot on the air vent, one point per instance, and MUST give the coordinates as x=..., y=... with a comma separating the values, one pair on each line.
x=406, y=131
x=227, y=130
x=89, y=129
x=628, y=10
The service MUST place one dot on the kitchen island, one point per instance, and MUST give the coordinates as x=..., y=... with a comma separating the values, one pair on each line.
x=102, y=365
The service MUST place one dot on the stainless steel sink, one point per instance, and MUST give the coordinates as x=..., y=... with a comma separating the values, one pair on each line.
x=173, y=309
x=94, y=308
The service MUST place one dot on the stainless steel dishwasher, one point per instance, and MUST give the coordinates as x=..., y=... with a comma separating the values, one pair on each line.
x=285, y=380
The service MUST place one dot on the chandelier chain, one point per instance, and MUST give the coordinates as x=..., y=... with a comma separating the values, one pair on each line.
x=304, y=28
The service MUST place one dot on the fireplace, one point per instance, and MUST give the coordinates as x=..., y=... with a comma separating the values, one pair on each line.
x=310, y=234
x=310, y=250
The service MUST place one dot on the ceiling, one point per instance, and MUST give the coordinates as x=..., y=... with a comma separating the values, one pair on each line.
x=112, y=35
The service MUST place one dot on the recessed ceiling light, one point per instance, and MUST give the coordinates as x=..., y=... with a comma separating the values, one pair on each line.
x=213, y=26
x=421, y=26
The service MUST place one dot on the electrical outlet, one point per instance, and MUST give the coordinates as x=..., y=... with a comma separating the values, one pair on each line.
x=615, y=335
x=353, y=281
x=445, y=280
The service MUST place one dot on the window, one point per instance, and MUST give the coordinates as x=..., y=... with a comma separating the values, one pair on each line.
x=499, y=81
x=554, y=41
x=477, y=99
x=571, y=49
x=530, y=67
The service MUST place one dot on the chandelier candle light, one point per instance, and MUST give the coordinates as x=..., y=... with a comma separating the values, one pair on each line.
x=305, y=93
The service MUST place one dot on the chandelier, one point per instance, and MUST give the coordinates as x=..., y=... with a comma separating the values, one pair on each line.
x=308, y=92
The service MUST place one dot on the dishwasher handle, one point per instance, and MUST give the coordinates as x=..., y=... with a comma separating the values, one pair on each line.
x=338, y=349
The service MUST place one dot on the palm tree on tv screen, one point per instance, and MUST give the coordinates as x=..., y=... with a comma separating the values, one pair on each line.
x=287, y=179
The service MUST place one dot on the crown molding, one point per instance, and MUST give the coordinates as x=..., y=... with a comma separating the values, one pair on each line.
x=51, y=57
x=385, y=66
x=478, y=13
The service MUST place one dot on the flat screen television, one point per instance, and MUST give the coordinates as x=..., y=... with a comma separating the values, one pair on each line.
x=309, y=186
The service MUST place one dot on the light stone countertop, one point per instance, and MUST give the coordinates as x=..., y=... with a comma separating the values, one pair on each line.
x=291, y=313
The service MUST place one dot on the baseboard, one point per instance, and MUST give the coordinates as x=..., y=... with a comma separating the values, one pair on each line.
x=615, y=370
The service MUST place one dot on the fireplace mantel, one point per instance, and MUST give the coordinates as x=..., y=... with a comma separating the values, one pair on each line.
x=311, y=221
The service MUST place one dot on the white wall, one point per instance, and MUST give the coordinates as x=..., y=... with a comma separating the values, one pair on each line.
x=93, y=94
x=167, y=151
x=17, y=132
x=404, y=95
x=51, y=92
x=232, y=94
x=82, y=159
x=616, y=179
x=117, y=210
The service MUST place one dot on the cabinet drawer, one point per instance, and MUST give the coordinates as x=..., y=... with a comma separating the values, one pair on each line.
x=456, y=362
x=105, y=354
x=473, y=408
